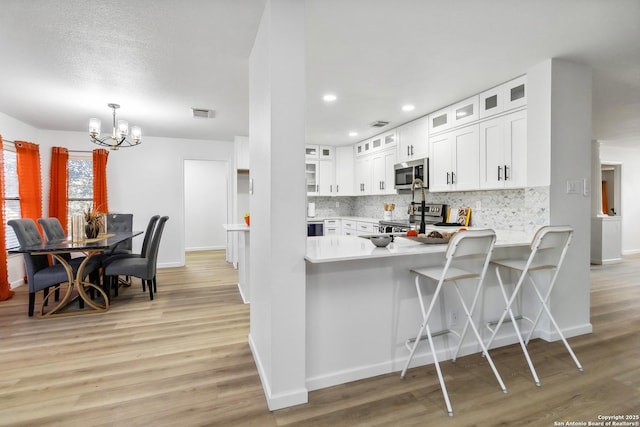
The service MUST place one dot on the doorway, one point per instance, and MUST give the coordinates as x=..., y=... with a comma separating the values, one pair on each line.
x=206, y=202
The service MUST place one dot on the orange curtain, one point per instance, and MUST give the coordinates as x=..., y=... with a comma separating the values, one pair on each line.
x=100, y=202
x=29, y=179
x=59, y=183
x=5, y=288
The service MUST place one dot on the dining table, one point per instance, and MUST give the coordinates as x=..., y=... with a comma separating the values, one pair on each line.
x=77, y=288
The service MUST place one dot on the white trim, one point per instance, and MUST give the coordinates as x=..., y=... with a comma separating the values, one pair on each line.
x=276, y=401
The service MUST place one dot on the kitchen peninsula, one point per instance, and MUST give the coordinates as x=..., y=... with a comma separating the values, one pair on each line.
x=362, y=306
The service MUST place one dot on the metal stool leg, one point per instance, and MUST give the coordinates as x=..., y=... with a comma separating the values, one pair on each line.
x=477, y=334
x=543, y=302
x=425, y=319
x=509, y=303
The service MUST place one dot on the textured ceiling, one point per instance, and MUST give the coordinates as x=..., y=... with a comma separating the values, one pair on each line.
x=62, y=61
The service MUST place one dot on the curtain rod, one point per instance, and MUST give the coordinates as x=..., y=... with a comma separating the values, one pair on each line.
x=70, y=151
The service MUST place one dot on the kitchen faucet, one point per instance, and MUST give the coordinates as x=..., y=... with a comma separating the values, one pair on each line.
x=418, y=182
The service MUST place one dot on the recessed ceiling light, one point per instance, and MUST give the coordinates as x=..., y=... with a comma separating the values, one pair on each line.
x=408, y=107
x=329, y=97
x=352, y=133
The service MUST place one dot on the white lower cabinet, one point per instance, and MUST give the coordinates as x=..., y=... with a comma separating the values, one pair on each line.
x=332, y=227
x=454, y=160
x=349, y=227
x=503, y=149
x=364, y=228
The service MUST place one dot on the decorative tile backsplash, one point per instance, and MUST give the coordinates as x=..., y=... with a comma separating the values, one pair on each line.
x=517, y=210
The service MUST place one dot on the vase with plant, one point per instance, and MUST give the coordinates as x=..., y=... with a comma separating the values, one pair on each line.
x=93, y=223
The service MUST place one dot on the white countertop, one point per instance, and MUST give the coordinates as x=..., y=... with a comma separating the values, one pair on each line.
x=349, y=218
x=236, y=227
x=345, y=248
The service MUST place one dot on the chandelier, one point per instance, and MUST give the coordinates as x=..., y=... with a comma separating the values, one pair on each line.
x=118, y=137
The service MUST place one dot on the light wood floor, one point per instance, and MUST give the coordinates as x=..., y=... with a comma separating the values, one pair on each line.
x=183, y=359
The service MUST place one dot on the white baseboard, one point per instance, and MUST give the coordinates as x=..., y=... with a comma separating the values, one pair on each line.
x=205, y=248
x=244, y=300
x=276, y=401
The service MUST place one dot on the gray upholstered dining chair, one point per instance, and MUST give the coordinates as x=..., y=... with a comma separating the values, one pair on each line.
x=111, y=282
x=53, y=231
x=142, y=267
x=40, y=274
x=120, y=222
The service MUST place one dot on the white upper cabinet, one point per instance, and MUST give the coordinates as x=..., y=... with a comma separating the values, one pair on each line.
x=440, y=120
x=491, y=102
x=503, y=145
x=507, y=96
x=515, y=93
x=344, y=171
x=312, y=152
x=382, y=172
x=464, y=112
x=326, y=152
x=461, y=113
x=363, y=176
x=413, y=140
x=312, y=176
x=326, y=185
x=454, y=160
x=381, y=142
x=363, y=147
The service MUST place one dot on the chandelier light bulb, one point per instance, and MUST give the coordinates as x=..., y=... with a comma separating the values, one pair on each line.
x=94, y=127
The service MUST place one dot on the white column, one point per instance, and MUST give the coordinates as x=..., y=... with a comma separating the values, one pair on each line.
x=278, y=220
x=559, y=115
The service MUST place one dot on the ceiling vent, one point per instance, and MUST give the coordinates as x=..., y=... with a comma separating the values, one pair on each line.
x=201, y=113
x=379, y=124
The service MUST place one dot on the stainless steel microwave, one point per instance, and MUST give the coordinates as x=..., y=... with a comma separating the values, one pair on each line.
x=407, y=172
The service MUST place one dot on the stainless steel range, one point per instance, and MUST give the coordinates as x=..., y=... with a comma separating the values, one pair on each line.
x=433, y=214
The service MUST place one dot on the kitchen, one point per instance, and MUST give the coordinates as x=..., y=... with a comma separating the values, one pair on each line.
x=487, y=179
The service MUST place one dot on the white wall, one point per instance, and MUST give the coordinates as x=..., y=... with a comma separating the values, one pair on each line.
x=206, y=201
x=629, y=155
x=561, y=126
x=278, y=222
x=144, y=180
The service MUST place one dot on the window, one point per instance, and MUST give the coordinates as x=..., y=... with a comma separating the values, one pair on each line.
x=80, y=189
x=11, y=196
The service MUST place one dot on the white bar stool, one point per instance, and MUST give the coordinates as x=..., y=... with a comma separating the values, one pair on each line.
x=548, y=249
x=474, y=249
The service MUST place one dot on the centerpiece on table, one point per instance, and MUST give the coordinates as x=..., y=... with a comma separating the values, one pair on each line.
x=93, y=223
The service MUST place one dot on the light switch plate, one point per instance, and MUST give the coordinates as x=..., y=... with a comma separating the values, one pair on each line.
x=574, y=187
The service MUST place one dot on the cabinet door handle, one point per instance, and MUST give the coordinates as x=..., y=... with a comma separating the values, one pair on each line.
x=317, y=188
x=337, y=188
x=382, y=185
x=447, y=177
x=412, y=150
x=506, y=176
x=330, y=188
x=408, y=152
x=499, y=173
x=452, y=177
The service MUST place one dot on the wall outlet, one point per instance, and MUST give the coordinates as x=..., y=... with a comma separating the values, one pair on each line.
x=453, y=318
x=478, y=205
x=337, y=204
